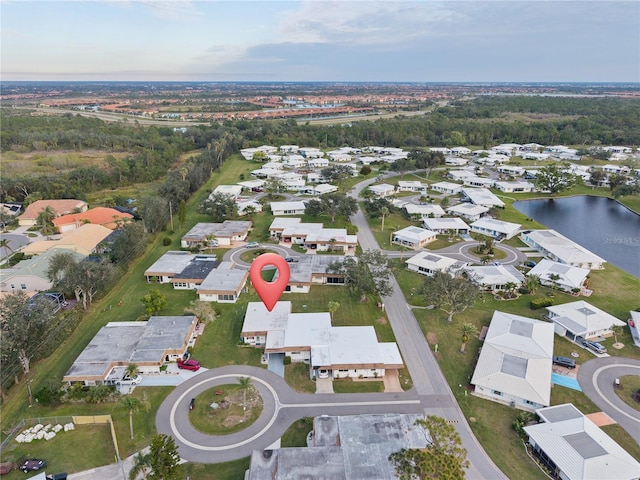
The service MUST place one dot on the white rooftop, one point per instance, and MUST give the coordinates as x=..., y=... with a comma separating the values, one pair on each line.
x=482, y=196
x=562, y=248
x=581, y=317
x=570, y=276
x=507, y=228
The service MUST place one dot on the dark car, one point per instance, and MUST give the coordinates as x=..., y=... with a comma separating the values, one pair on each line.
x=190, y=364
x=564, y=362
x=530, y=264
x=192, y=403
x=594, y=346
x=31, y=464
x=57, y=476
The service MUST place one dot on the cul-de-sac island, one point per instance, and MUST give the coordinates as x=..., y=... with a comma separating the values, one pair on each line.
x=463, y=299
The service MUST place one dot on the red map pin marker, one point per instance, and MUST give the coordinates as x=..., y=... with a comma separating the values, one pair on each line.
x=269, y=292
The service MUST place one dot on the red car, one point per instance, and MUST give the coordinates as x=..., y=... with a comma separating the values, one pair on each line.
x=190, y=364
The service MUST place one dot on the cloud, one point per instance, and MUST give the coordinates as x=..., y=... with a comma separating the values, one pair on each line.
x=171, y=9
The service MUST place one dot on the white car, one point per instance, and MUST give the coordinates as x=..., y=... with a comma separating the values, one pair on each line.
x=126, y=380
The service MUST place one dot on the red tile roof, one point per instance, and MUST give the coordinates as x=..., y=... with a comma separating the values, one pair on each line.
x=61, y=207
x=97, y=216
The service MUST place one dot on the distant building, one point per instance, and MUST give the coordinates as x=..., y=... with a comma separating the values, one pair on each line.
x=60, y=207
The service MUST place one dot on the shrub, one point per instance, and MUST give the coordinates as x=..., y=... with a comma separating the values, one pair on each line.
x=365, y=170
x=521, y=421
x=166, y=241
x=537, y=303
x=287, y=360
x=49, y=395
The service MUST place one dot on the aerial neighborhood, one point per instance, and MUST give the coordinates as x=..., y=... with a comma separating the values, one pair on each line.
x=420, y=298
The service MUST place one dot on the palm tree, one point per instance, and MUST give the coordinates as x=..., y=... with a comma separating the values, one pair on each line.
x=467, y=329
x=131, y=370
x=333, y=307
x=4, y=243
x=554, y=277
x=245, y=385
x=141, y=462
x=532, y=283
x=510, y=288
x=616, y=330
x=134, y=405
x=45, y=221
x=485, y=259
x=384, y=211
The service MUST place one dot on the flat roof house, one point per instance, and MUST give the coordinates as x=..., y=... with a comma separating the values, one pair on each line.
x=482, y=196
x=229, y=190
x=460, y=175
x=581, y=320
x=559, y=275
x=448, y=188
x=247, y=207
x=427, y=263
x=149, y=345
x=317, y=162
x=413, y=237
x=226, y=233
x=352, y=352
x=411, y=186
x=560, y=249
x=445, y=225
x=312, y=236
x=495, y=228
x=287, y=208
x=468, y=211
x=572, y=447
x=455, y=161
x=61, y=207
x=515, y=187
x=495, y=277
x=478, y=182
x=420, y=212
x=382, y=190
x=353, y=447
x=311, y=270
x=515, y=362
x=185, y=270
x=223, y=284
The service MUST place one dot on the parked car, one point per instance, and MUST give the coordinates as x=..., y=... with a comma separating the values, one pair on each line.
x=127, y=380
x=252, y=245
x=192, y=403
x=31, y=464
x=57, y=476
x=594, y=346
x=530, y=264
x=564, y=362
x=190, y=364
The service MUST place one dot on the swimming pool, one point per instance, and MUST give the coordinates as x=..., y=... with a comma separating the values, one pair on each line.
x=565, y=381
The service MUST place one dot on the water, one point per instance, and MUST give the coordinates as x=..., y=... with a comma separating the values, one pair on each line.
x=602, y=225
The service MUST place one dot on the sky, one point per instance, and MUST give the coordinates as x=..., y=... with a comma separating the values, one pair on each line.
x=319, y=40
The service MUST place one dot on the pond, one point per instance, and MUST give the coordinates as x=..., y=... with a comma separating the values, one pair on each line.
x=599, y=224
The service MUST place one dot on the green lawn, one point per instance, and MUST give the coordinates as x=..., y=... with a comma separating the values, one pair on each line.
x=230, y=416
x=296, y=434
x=347, y=385
x=629, y=385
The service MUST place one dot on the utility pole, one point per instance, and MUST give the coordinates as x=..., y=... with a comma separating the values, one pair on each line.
x=29, y=390
x=171, y=215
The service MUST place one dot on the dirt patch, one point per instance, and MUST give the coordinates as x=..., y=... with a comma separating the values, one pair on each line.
x=382, y=321
x=232, y=420
x=432, y=338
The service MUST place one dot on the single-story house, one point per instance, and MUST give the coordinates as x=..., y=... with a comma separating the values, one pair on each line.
x=467, y=210
x=443, y=150
x=251, y=184
x=515, y=362
x=10, y=209
x=310, y=270
x=225, y=233
x=559, y=275
x=560, y=249
x=229, y=190
x=312, y=236
x=185, y=270
x=247, y=207
x=316, y=177
x=149, y=345
x=448, y=188
x=445, y=225
x=289, y=148
x=427, y=263
x=346, y=447
x=107, y=217
x=412, y=186
x=460, y=175
x=84, y=240
x=495, y=228
x=341, y=352
x=430, y=210
x=223, y=284
x=455, y=161
x=478, y=182
x=512, y=170
x=294, y=161
x=413, y=237
x=482, y=196
x=460, y=151
x=492, y=159
x=310, y=152
x=382, y=190
x=506, y=149
x=61, y=207
x=515, y=187
x=573, y=447
x=30, y=275
x=323, y=188
x=318, y=163
x=287, y=208
x=495, y=277
x=581, y=320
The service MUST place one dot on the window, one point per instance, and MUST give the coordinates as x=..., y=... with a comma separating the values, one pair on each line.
x=496, y=392
x=180, y=285
x=23, y=286
x=226, y=297
x=13, y=286
x=335, y=280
